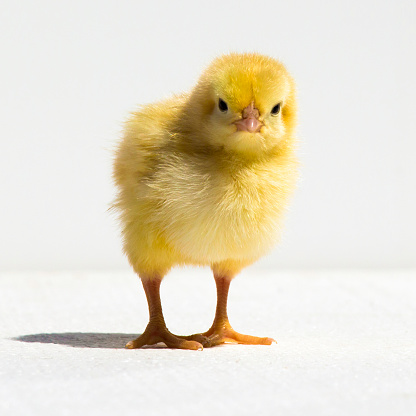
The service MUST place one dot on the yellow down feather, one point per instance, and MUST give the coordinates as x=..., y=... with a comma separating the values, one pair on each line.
x=192, y=190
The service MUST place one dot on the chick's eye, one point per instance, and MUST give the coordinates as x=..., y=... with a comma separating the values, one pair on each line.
x=275, y=110
x=222, y=105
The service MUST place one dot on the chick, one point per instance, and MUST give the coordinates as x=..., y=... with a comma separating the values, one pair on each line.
x=203, y=179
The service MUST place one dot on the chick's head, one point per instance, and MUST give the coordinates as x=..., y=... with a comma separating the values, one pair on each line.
x=244, y=103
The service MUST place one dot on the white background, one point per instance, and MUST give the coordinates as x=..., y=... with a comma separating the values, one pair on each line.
x=71, y=71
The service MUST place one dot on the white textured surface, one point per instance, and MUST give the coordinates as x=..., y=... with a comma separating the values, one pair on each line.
x=346, y=345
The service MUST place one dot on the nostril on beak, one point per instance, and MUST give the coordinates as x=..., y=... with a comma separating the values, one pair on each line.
x=250, y=111
x=250, y=120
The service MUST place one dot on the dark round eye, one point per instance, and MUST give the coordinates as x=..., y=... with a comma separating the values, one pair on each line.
x=222, y=105
x=275, y=110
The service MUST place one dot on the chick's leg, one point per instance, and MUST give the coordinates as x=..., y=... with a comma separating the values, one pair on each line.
x=156, y=330
x=221, y=330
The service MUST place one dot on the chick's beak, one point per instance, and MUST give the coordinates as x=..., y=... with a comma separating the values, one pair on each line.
x=250, y=120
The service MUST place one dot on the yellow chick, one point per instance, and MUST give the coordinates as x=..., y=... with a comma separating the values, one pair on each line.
x=203, y=179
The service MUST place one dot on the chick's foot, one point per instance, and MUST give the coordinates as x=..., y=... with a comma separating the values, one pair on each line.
x=157, y=332
x=224, y=333
x=221, y=331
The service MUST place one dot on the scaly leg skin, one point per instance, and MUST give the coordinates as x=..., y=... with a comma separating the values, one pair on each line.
x=156, y=330
x=221, y=331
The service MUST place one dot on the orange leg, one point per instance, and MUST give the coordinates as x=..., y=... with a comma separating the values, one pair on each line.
x=156, y=330
x=221, y=331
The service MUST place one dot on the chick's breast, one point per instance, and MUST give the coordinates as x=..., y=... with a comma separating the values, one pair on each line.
x=209, y=213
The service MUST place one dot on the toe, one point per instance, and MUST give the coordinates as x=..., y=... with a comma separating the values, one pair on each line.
x=228, y=335
x=173, y=341
x=191, y=345
x=202, y=339
x=130, y=345
x=249, y=339
x=137, y=343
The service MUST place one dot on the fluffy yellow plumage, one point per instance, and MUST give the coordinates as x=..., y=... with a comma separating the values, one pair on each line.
x=204, y=179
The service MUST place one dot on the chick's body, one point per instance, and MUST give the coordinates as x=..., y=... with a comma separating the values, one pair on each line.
x=197, y=185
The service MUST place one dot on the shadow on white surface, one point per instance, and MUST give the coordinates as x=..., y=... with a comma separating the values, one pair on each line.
x=82, y=339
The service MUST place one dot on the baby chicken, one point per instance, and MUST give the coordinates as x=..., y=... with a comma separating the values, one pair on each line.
x=203, y=179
